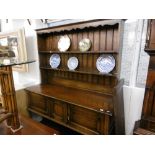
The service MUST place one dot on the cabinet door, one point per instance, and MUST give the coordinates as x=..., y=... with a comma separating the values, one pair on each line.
x=87, y=120
x=59, y=110
x=38, y=103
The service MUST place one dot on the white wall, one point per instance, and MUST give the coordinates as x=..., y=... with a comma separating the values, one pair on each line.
x=133, y=100
x=132, y=68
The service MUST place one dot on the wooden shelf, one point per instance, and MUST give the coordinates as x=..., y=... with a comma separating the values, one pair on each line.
x=82, y=72
x=78, y=52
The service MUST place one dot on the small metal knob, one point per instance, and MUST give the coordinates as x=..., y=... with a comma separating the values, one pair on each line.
x=101, y=110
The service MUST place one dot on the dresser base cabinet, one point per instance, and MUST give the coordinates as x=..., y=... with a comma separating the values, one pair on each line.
x=81, y=119
x=88, y=117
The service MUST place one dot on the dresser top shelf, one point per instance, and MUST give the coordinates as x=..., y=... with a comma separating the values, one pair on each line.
x=79, y=52
x=81, y=71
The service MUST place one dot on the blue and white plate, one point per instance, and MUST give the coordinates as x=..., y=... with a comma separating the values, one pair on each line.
x=54, y=60
x=72, y=63
x=105, y=63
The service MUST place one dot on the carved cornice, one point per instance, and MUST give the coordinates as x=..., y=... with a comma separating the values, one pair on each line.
x=78, y=25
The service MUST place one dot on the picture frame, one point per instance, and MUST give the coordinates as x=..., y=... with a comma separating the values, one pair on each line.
x=16, y=41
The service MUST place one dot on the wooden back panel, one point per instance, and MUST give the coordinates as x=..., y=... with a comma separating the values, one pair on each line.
x=102, y=38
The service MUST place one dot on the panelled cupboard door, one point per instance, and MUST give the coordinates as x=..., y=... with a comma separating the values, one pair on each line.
x=81, y=119
x=88, y=120
x=58, y=110
x=52, y=108
x=38, y=103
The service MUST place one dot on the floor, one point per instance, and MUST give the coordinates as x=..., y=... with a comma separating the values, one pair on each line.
x=62, y=130
x=31, y=127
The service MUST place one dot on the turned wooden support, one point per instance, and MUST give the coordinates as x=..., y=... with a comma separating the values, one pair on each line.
x=9, y=96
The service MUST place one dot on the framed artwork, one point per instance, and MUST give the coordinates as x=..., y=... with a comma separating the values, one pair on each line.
x=16, y=47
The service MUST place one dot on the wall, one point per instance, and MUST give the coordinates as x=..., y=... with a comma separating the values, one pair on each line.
x=133, y=68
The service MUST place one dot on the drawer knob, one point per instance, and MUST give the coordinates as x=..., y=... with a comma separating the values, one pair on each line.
x=101, y=110
x=109, y=112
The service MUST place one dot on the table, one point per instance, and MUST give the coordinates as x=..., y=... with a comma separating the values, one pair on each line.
x=8, y=91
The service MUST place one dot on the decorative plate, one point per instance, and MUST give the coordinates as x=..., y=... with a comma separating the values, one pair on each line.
x=72, y=63
x=105, y=63
x=55, y=60
x=64, y=43
x=84, y=45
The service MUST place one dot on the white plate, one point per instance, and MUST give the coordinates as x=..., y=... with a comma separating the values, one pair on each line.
x=84, y=45
x=64, y=43
x=72, y=63
x=105, y=63
x=54, y=60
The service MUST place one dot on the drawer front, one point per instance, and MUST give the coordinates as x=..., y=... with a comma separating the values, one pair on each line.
x=38, y=103
x=89, y=119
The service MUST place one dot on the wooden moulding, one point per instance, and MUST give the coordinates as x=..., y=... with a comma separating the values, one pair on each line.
x=79, y=25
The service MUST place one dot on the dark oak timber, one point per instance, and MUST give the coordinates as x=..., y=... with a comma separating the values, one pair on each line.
x=83, y=100
x=147, y=123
